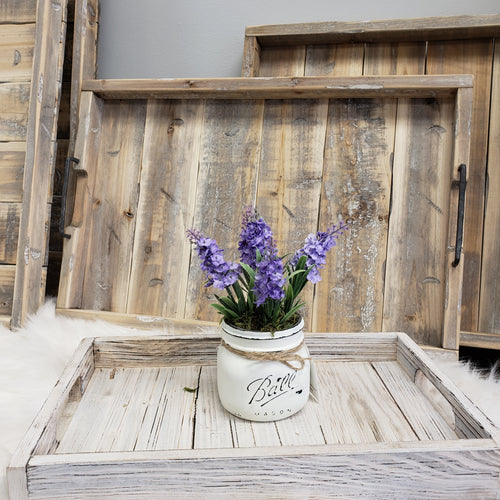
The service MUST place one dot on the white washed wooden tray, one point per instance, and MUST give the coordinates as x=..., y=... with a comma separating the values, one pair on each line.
x=124, y=422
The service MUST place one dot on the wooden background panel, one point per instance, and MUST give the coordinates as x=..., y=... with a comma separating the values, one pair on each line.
x=167, y=196
x=16, y=52
x=227, y=179
x=7, y=276
x=472, y=57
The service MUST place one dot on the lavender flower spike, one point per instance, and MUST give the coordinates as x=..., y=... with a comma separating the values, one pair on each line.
x=315, y=248
x=255, y=235
x=269, y=278
x=220, y=273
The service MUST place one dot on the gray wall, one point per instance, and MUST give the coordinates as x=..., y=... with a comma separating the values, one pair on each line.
x=204, y=38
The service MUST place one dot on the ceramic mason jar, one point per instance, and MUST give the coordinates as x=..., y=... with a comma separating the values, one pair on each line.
x=261, y=376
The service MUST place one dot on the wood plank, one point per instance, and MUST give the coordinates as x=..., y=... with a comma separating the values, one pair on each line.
x=250, y=65
x=11, y=171
x=114, y=207
x=16, y=52
x=418, y=29
x=212, y=426
x=292, y=165
x=142, y=322
x=14, y=102
x=474, y=57
x=38, y=436
x=360, y=137
x=18, y=11
x=7, y=277
x=420, y=207
x=229, y=161
x=9, y=232
x=489, y=304
x=483, y=340
x=416, y=473
x=84, y=57
x=368, y=411
x=169, y=173
x=169, y=419
x=454, y=269
x=40, y=155
x=334, y=60
x=75, y=251
x=279, y=88
x=288, y=61
x=425, y=421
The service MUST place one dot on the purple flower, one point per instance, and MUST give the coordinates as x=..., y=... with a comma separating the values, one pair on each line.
x=220, y=273
x=255, y=235
x=315, y=248
x=269, y=278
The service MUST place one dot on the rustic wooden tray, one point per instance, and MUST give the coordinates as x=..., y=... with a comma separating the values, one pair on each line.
x=159, y=156
x=441, y=45
x=137, y=417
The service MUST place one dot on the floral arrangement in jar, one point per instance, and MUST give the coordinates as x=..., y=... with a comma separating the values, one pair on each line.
x=263, y=364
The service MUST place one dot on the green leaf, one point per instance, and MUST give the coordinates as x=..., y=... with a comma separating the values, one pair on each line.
x=227, y=313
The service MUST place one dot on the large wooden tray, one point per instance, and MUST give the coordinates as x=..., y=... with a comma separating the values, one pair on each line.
x=160, y=156
x=137, y=417
x=441, y=45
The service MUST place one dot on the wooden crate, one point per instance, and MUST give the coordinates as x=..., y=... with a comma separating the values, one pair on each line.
x=185, y=153
x=460, y=44
x=139, y=417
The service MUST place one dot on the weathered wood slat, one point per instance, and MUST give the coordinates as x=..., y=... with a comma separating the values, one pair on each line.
x=7, y=277
x=418, y=29
x=229, y=158
x=489, y=311
x=359, y=137
x=165, y=209
x=369, y=414
x=18, y=11
x=9, y=232
x=75, y=251
x=425, y=421
x=11, y=171
x=290, y=175
x=16, y=52
x=413, y=475
x=14, y=101
x=114, y=207
x=278, y=88
x=169, y=419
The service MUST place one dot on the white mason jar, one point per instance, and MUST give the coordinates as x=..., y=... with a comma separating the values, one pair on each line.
x=271, y=387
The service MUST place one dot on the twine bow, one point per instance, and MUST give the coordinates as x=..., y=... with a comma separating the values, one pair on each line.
x=284, y=357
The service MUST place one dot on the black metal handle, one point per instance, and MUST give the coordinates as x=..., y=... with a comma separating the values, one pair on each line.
x=62, y=219
x=462, y=169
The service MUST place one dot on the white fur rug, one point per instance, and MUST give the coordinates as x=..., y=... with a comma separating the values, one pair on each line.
x=32, y=359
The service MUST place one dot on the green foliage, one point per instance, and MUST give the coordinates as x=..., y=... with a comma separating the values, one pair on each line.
x=239, y=309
